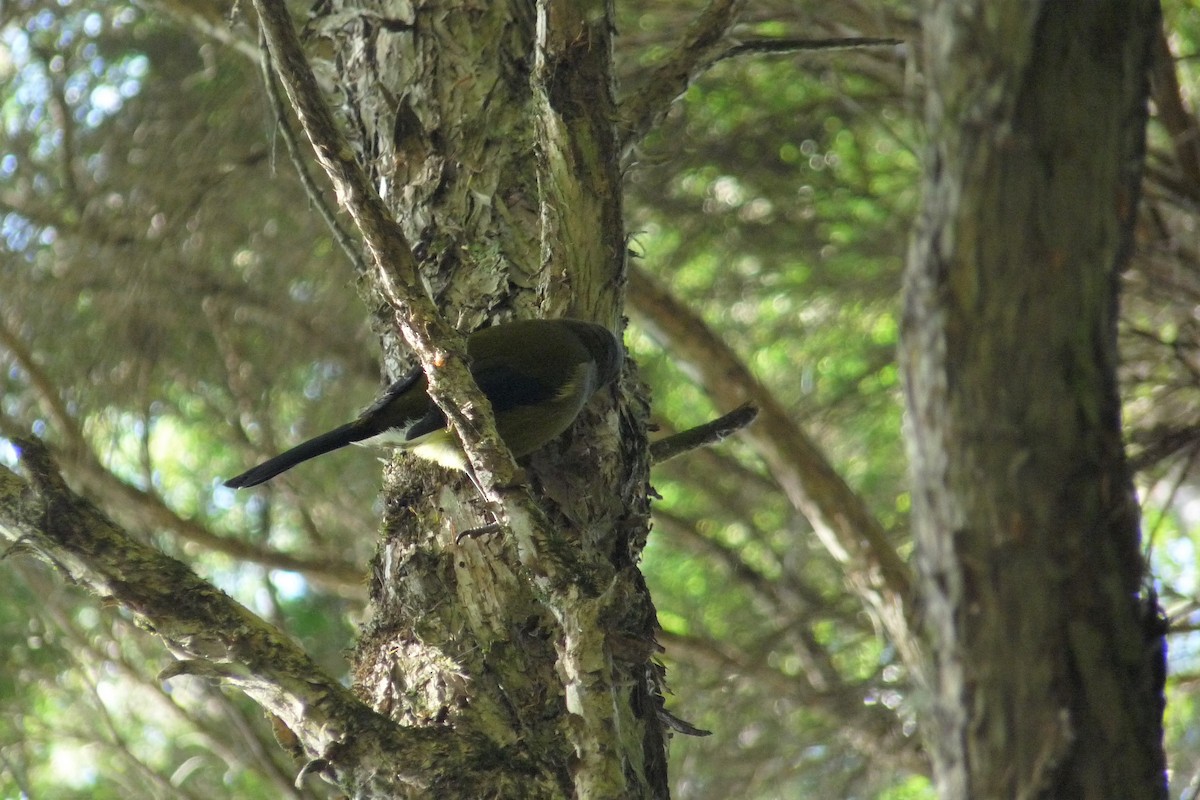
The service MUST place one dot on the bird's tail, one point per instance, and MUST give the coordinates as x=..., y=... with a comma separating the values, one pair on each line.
x=318, y=445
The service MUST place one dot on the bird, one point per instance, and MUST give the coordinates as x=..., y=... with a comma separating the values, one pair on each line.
x=538, y=375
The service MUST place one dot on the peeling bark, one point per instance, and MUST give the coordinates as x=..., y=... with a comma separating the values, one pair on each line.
x=490, y=132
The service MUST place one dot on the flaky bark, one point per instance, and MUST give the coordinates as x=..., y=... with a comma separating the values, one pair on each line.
x=1048, y=661
x=481, y=174
x=490, y=133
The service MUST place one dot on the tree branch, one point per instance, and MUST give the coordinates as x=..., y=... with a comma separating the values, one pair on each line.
x=793, y=46
x=710, y=433
x=147, y=508
x=300, y=165
x=1173, y=113
x=439, y=348
x=211, y=634
x=47, y=392
x=702, y=46
x=577, y=595
x=840, y=518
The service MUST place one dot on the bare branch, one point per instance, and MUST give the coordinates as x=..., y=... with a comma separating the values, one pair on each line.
x=1173, y=113
x=793, y=46
x=200, y=623
x=840, y=518
x=702, y=46
x=440, y=349
x=710, y=433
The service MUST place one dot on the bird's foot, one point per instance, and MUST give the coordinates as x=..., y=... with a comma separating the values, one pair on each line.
x=483, y=530
x=491, y=512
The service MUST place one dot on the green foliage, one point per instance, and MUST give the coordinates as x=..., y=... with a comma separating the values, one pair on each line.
x=915, y=787
x=775, y=201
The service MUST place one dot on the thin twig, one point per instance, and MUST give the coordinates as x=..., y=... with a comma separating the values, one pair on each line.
x=315, y=195
x=48, y=395
x=793, y=46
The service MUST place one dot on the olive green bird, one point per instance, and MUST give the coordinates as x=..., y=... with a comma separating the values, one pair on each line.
x=538, y=375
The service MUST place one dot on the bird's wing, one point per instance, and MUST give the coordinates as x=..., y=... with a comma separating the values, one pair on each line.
x=390, y=395
x=505, y=387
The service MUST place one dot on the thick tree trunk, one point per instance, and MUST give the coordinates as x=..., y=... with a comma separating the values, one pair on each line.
x=489, y=130
x=1048, y=661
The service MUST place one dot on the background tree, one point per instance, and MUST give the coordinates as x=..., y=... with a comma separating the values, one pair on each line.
x=1049, y=651
x=171, y=310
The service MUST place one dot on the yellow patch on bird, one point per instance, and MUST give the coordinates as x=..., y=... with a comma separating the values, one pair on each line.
x=440, y=447
x=571, y=387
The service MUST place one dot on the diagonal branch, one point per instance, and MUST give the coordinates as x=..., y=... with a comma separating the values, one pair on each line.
x=574, y=592
x=552, y=563
x=1174, y=115
x=710, y=433
x=47, y=391
x=209, y=633
x=440, y=349
x=791, y=46
x=702, y=45
x=840, y=518
x=146, y=509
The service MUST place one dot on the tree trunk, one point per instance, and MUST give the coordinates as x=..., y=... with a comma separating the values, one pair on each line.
x=489, y=131
x=1049, y=659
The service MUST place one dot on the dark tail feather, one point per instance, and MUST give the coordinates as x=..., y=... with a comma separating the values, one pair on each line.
x=319, y=445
